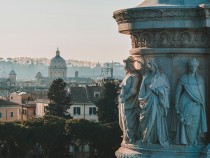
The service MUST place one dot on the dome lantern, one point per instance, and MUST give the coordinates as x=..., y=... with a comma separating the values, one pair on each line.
x=57, y=52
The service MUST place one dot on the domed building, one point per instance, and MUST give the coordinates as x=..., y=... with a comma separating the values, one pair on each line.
x=57, y=68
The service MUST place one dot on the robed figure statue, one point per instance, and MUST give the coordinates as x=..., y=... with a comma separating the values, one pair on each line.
x=154, y=103
x=129, y=103
x=190, y=106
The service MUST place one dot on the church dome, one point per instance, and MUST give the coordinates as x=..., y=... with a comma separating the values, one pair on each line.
x=57, y=62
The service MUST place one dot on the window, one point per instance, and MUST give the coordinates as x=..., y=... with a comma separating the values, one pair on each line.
x=76, y=110
x=24, y=111
x=11, y=114
x=0, y=115
x=92, y=111
x=96, y=94
x=45, y=109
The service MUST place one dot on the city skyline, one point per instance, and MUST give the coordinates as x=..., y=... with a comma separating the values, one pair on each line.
x=81, y=30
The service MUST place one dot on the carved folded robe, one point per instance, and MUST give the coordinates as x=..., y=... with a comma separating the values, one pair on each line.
x=190, y=98
x=154, y=111
x=129, y=108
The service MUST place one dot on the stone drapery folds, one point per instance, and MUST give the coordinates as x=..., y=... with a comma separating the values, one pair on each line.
x=143, y=111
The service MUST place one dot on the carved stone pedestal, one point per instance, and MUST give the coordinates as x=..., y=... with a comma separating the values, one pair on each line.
x=157, y=151
x=127, y=153
x=170, y=41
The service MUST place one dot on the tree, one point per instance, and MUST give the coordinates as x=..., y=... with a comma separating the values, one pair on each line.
x=49, y=133
x=108, y=105
x=60, y=100
x=105, y=138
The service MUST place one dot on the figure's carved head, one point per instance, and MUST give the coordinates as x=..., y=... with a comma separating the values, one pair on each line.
x=129, y=63
x=129, y=59
x=193, y=65
x=152, y=65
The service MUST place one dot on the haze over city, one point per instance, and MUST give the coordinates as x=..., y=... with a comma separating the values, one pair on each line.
x=80, y=29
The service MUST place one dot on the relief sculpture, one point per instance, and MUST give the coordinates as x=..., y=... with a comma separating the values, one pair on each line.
x=190, y=106
x=154, y=103
x=129, y=103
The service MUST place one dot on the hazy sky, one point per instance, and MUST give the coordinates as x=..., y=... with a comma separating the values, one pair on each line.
x=82, y=29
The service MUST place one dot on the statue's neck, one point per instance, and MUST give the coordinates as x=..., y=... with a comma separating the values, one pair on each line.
x=192, y=74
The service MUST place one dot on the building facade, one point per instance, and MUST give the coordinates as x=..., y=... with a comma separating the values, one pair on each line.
x=41, y=104
x=9, y=111
x=28, y=111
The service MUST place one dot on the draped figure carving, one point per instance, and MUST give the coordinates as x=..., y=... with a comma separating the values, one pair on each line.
x=190, y=106
x=154, y=103
x=129, y=103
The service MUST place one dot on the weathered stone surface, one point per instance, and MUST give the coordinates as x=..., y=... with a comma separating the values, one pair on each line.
x=172, y=32
x=129, y=103
x=169, y=17
x=179, y=38
x=156, y=151
x=149, y=3
x=127, y=153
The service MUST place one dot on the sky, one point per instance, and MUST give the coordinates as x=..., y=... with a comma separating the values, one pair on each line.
x=81, y=29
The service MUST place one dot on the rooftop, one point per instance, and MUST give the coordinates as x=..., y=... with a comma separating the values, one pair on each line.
x=5, y=103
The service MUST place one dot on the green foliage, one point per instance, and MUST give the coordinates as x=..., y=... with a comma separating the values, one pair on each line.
x=55, y=134
x=49, y=132
x=103, y=137
x=60, y=100
x=109, y=139
x=107, y=105
x=16, y=136
x=22, y=136
x=82, y=131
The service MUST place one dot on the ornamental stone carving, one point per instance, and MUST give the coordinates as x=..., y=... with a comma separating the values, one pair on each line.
x=172, y=102
x=123, y=16
x=171, y=39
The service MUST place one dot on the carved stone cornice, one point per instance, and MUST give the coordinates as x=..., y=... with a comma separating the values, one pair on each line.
x=147, y=14
x=171, y=39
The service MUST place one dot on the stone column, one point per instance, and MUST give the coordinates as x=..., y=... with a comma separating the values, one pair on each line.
x=172, y=32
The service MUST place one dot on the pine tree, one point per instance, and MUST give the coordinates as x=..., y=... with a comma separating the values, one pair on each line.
x=108, y=105
x=60, y=100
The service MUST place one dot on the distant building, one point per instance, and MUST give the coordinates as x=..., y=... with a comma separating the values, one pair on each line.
x=20, y=97
x=8, y=83
x=107, y=70
x=77, y=80
x=39, y=76
x=57, y=68
x=83, y=99
x=41, y=104
x=40, y=92
x=28, y=111
x=4, y=92
x=9, y=111
x=24, y=84
x=12, y=78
